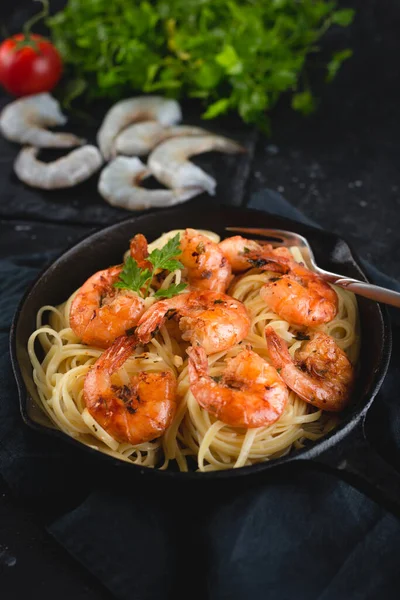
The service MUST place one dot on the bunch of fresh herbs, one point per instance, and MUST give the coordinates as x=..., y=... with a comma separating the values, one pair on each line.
x=232, y=54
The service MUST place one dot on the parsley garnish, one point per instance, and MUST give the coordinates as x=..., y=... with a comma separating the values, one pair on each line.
x=134, y=278
x=164, y=258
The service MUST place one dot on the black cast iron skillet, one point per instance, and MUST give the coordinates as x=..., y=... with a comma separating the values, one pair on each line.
x=106, y=247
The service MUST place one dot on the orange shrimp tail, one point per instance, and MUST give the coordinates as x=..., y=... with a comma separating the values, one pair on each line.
x=139, y=251
x=198, y=363
x=117, y=354
x=150, y=323
x=277, y=348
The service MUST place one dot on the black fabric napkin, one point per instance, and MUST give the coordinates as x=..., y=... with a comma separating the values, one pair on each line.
x=300, y=532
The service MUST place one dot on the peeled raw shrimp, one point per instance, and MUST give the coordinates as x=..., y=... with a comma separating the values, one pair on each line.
x=119, y=185
x=125, y=112
x=24, y=121
x=101, y=312
x=205, y=264
x=213, y=320
x=169, y=164
x=140, y=138
x=249, y=394
x=320, y=372
x=67, y=171
x=136, y=412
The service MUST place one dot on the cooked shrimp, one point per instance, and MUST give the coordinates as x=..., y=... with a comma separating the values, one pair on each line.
x=249, y=394
x=206, y=266
x=139, y=251
x=75, y=167
x=320, y=373
x=169, y=164
x=212, y=320
x=100, y=312
x=24, y=121
x=125, y=112
x=135, y=413
x=243, y=254
x=119, y=185
x=300, y=296
x=140, y=138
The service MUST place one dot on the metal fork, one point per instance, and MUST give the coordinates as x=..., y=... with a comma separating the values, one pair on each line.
x=279, y=237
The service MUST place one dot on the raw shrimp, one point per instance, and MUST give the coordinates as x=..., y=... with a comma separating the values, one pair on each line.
x=75, y=167
x=169, y=164
x=24, y=121
x=300, y=297
x=213, y=320
x=249, y=394
x=137, y=412
x=125, y=112
x=100, y=312
x=119, y=185
x=140, y=138
x=320, y=372
x=206, y=266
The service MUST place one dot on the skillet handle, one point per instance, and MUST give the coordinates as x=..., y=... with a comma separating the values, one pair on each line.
x=361, y=465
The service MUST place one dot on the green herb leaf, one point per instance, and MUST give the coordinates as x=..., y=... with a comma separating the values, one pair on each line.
x=165, y=257
x=218, y=108
x=229, y=60
x=334, y=65
x=173, y=290
x=132, y=277
x=343, y=17
x=303, y=102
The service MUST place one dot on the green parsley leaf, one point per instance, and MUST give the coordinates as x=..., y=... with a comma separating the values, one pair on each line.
x=336, y=62
x=132, y=277
x=217, y=108
x=304, y=102
x=173, y=290
x=165, y=257
x=343, y=17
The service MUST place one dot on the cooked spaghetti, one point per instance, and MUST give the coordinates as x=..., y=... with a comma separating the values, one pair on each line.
x=195, y=439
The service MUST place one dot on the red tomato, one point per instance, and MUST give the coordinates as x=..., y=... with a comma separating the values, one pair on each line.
x=33, y=68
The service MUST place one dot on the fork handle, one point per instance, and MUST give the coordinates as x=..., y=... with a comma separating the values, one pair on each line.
x=374, y=292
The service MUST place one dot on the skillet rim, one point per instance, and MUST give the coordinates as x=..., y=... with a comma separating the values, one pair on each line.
x=330, y=440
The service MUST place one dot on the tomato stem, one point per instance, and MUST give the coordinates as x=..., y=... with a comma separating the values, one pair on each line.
x=36, y=18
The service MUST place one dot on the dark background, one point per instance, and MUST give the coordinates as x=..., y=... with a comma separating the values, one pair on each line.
x=341, y=166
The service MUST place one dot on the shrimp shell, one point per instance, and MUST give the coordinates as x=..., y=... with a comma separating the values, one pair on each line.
x=169, y=164
x=140, y=138
x=125, y=112
x=67, y=171
x=24, y=121
x=119, y=186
